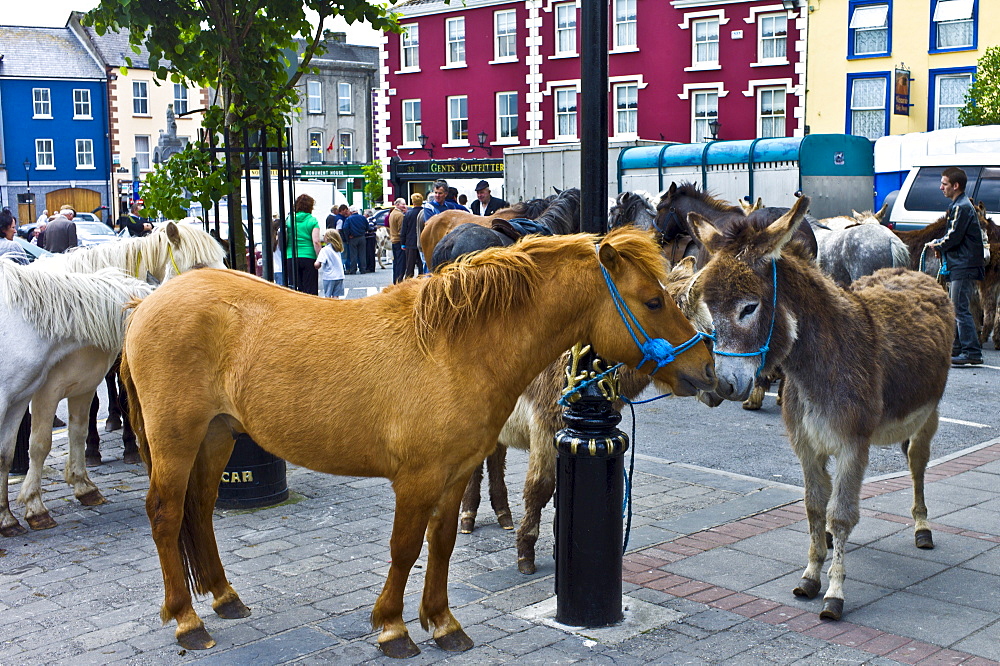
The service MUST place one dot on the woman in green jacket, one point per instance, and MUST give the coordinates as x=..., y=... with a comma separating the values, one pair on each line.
x=304, y=229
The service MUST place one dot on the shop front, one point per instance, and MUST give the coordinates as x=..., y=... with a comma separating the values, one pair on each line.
x=409, y=176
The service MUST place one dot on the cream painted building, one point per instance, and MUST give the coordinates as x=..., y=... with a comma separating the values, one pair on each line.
x=137, y=104
x=859, y=53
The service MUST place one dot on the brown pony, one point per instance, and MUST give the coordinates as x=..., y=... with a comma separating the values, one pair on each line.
x=850, y=384
x=472, y=338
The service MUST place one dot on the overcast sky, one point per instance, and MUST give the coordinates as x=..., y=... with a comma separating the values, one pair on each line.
x=56, y=12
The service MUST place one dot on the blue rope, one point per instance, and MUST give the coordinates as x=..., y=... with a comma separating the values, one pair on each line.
x=764, y=348
x=627, y=500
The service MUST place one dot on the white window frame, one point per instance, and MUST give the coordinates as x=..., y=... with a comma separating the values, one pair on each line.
x=411, y=125
x=41, y=103
x=696, y=122
x=85, y=154
x=568, y=30
x=454, y=42
x=783, y=94
x=342, y=108
x=82, y=109
x=409, y=48
x=558, y=115
x=181, y=96
x=625, y=26
x=773, y=60
x=855, y=26
x=505, y=35
x=142, y=156
x=140, y=98
x=457, y=121
x=345, y=149
x=45, y=156
x=629, y=115
x=314, y=146
x=507, y=129
x=937, y=95
x=950, y=8
x=314, y=96
x=696, y=62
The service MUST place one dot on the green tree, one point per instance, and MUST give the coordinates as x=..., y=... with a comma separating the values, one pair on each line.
x=982, y=103
x=373, y=182
x=244, y=50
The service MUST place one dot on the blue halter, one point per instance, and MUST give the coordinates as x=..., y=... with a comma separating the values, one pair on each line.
x=764, y=348
x=658, y=350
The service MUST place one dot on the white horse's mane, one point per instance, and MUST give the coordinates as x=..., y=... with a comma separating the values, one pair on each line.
x=137, y=256
x=83, y=307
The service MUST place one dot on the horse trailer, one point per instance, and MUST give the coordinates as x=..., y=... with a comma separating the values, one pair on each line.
x=834, y=170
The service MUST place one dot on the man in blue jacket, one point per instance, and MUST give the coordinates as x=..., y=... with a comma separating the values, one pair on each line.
x=354, y=230
x=962, y=250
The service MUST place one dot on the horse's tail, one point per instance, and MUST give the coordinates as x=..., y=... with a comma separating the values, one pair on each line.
x=134, y=409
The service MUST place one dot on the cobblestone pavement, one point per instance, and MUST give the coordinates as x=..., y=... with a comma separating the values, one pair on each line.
x=713, y=557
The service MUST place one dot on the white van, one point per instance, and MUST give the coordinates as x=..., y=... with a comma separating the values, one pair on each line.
x=920, y=202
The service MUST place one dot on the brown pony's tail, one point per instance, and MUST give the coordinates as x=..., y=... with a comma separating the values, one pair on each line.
x=134, y=410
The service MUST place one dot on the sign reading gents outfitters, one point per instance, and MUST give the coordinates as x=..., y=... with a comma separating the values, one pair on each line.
x=456, y=168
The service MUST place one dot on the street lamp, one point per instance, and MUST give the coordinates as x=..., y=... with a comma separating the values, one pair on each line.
x=713, y=126
x=482, y=136
x=423, y=138
x=31, y=199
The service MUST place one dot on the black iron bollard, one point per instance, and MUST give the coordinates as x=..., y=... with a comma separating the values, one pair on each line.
x=253, y=477
x=20, y=464
x=589, y=492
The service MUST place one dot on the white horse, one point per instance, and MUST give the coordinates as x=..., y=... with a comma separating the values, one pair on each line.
x=54, y=316
x=74, y=371
x=383, y=246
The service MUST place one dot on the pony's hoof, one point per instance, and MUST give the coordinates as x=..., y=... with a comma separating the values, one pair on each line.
x=506, y=520
x=466, y=525
x=401, y=647
x=132, y=458
x=113, y=423
x=833, y=609
x=92, y=498
x=924, y=539
x=13, y=530
x=233, y=609
x=456, y=641
x=42, y=521
x=751, y=406
x=807, y=588
x=93, y=460
x=196, y=639
x=526, y=566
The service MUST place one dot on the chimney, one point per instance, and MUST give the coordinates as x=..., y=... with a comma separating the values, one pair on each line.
x=340, y=37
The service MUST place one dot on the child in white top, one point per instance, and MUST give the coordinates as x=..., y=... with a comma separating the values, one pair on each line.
x=330, y=265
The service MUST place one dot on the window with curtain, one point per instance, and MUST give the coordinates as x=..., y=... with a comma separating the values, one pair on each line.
x=180, y=98
x=505, y=31
x=44, y=154
x=411, y=121
x=565, y=113
x=706, y=41
x=625, y=23
x=705, y=109
x=41, y=101
x=409, y=43
x=869, y=28
x=507, y=115
x=458, y=119
x=315, y=146
x=771, y=112
x=565, y=28
x=455, y=31
x=142, y=151
x=84, y=153
x=346, y=147
x=868, y=107
x=140, y=98
x=773, y=31
x=81, y=103
x=954, y=24
x=344, y=98
x=627, y=108
x=949, y=99
x=314, y=96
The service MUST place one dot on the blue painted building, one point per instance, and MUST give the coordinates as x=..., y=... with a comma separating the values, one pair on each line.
x=53, y=122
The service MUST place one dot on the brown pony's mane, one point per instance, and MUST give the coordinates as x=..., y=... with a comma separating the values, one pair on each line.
x=708, y=198
x=499, y=279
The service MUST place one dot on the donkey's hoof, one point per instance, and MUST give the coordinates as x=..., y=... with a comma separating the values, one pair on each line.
x=132, y=458
x=526, y=566
x=924, y=539
x=42, y=521
x=233, y=609
x=13, y=530
x=807, y=588
x=401, y=647
x=93, y=460
x=466, y=525
x=833, y=609
x=506, y=520
x=456, y=641
x=829, y=540
x=92, y=498
x=196, y=639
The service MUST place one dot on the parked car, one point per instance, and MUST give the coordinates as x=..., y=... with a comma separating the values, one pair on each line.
x=94, y=233
x=381, y=217
x=920, y=202
x=33, y=251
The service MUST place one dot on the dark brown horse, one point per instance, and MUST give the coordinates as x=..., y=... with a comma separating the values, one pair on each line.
x=850, y=384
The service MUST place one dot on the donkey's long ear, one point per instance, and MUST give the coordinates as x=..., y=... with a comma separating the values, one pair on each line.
x=882, y=213
x=704, y=232
x=779, y=232
x=683, y=268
